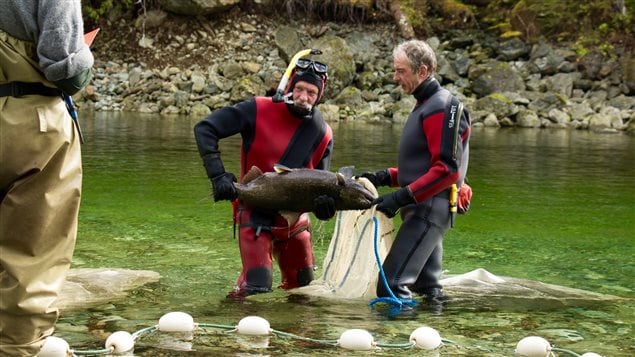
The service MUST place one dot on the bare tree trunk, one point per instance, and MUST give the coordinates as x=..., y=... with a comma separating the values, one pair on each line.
x=620, y=6
x=402, y=21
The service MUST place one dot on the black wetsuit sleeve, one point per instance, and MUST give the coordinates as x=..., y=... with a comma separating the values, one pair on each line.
x=223, y=123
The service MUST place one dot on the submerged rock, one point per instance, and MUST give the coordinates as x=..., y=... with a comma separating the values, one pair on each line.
x=490, y=289
x=89, y=287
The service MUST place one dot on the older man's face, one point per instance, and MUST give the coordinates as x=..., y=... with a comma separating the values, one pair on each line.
x=404, y=75
x=305, y=94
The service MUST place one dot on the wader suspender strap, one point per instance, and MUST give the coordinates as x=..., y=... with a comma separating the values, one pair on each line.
x=303, y=143
x=19, y=89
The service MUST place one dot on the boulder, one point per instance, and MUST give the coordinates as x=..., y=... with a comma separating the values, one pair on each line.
x=494, y=76
x=88, y=287
x=495, y=290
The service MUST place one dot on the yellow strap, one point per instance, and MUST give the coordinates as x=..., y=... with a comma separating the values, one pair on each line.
x=453, y=197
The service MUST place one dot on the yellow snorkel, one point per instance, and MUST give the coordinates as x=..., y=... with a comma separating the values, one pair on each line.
x=279, y=96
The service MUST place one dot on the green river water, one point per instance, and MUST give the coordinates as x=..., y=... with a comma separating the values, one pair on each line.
x=557, y=206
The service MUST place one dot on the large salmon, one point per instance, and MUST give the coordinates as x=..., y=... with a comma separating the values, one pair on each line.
x=293, y=190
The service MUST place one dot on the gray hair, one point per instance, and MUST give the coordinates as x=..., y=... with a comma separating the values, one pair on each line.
x=418, y=53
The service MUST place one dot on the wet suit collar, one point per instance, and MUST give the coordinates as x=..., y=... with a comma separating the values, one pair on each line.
x=426, y=89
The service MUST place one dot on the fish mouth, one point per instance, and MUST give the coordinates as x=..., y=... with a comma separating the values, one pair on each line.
x=368, y=197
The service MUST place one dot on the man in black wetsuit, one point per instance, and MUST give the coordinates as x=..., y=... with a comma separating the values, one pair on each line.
x=433, y=156
x=291, y=132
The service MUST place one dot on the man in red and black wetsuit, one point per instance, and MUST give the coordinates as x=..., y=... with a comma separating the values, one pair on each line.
x=291, y=132
x=433, y=155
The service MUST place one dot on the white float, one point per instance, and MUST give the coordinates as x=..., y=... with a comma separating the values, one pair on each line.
x=533, y=346
x=120, y=342
x=176, y=322
x=54, y=347
x=253, y=325
x=590, y=354
x=426, y=338
x=356, y=339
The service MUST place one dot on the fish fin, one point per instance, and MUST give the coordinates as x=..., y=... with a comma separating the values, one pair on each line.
x=341, y=180
x=291, y=217
x=347, y=171
x=252, y=174
x=281, y=168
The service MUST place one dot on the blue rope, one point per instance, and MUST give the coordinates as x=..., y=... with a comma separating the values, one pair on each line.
x=397, y=304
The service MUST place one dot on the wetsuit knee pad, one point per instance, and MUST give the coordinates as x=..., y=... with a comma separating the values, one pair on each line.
x=258, y=280
x=295, y=258
x=295, y=278
x=305, y=276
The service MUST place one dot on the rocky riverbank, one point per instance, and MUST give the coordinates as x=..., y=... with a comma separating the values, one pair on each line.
x=170, y=64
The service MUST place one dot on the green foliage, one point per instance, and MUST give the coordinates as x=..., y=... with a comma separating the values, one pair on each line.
x=580, y=49
x=596, y=25
x=496, y=12
x=584, y=45
x=566, y=18
x=625, y=22
x=511, y=34
x=501, y=97
x=94, y=10
x=413, y=11
x=338, y=10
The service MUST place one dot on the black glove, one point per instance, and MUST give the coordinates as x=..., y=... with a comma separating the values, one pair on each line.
x=222, y=182
x=390, y=204
x=379, y=178
x=324, y=207
x=223, y=187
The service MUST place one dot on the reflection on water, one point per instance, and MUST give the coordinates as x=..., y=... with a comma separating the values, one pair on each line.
x=549, y=205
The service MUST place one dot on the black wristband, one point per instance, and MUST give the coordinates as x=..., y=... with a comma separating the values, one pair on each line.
x=213, y=165
x=403, y=196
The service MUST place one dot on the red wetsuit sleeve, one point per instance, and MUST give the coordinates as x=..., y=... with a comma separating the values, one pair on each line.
x=394, y=172
x=324, y=150
x=443, y=170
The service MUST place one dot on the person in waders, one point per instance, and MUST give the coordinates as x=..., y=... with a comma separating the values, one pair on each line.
x=43, y=57
x=289, y=131
x=432, y=163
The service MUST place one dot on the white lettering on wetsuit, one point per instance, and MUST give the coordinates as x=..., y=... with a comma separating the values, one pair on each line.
x=452, y=116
